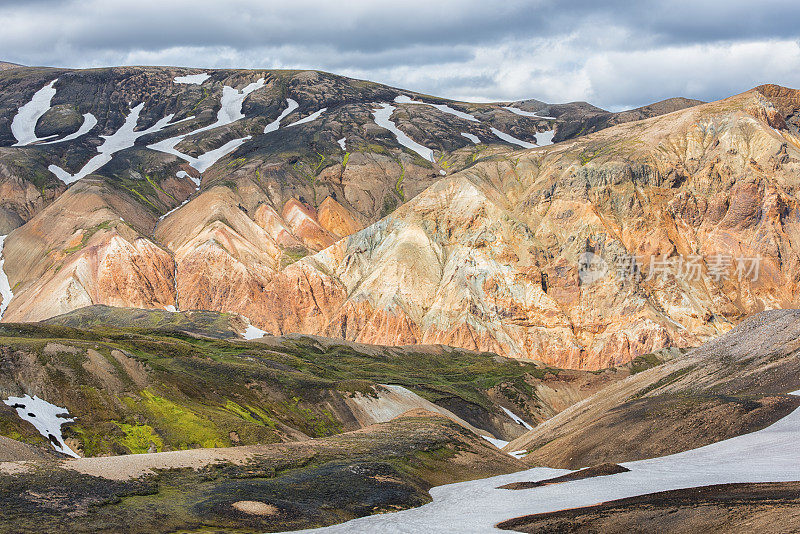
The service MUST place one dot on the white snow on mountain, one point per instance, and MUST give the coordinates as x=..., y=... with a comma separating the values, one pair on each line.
x=252, y=332
x=511, y=139
x=274, y=125
x=89, y=122
x=499, y=443
x=231, y=105
x=45, y=417
x=23, y=126
x=383, y=119
x=545, y=138
x=205, y=161
x=193, y=79
x=176, y=208
x=184, y=174
x=230, y=111
x=517, y=419
x=471, y=137
x=524, y=113
x=403, y=99
x=314, y=116
x=122, y=139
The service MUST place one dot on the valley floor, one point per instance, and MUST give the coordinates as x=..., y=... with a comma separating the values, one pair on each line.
x=769, y=455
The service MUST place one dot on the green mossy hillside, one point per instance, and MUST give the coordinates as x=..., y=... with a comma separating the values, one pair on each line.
x=138, y=389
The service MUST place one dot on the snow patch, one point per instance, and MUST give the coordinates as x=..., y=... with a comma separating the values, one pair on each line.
x=171, y=308
x=230, y=111
x=184, y=174
x=342, y=144
x=23, y=126
x=314, y=116
x=517, y=419
x=524, y=113
x=45, y=417
x=176, y=208
x=383, y=119
x=5, y=287
x=511, y=139
x=499, y=443
x=253, y=333
x=274, y=125
x=231, y=105
x=89, y=122
x=545, y=138
x=122, y=139
x=471, y=137
x=403, y=99
x=207, y=160
x=518, y=454
x=193, y=79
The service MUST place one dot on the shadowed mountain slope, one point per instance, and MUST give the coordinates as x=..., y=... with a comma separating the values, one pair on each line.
x=734, y=384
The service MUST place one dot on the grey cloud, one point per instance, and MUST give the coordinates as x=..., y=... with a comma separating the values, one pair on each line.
x=613, y=53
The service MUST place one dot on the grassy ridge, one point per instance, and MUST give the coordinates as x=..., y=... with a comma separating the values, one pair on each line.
x=161, y=388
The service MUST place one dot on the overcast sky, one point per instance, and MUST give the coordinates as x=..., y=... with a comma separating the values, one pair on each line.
x=614, y=53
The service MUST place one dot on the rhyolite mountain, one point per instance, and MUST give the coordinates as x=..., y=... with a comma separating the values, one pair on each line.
x=371, y=214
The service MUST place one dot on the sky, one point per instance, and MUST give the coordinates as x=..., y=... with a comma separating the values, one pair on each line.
x=615, y=54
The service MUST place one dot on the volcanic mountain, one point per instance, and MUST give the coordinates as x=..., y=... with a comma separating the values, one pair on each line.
x=312, y=203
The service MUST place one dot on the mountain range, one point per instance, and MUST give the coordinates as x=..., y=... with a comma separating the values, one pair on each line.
x=168, y=188
x=406, y=232
x=264, y=300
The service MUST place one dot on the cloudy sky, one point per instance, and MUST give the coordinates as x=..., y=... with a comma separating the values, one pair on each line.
x=614, y=53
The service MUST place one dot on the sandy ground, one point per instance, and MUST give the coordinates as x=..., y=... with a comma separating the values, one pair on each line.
x=15, y=457
x=136, y=465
